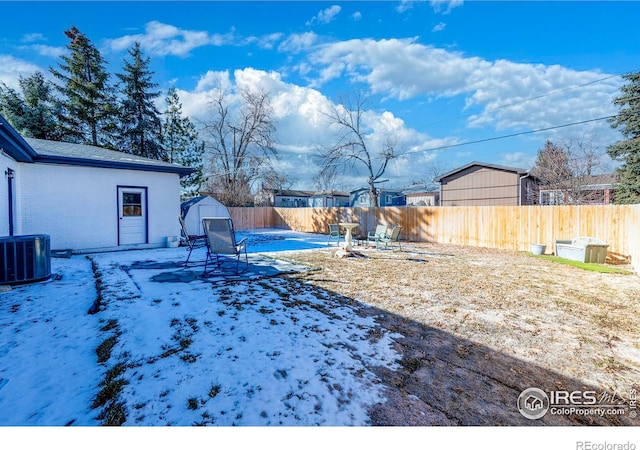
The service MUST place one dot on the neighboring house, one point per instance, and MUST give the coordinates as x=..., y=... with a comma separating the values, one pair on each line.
x=591, y=190
x=362, y=198
x=422, y=198
x=86, y=198
x=479, y=183
x=283, y=198
x=329, y=199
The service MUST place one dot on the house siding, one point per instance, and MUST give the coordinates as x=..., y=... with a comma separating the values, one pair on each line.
x=424, y=199
x=479, y=186
x=328, y=201
x=285, y=201
x=78, y=206
x=361, y=198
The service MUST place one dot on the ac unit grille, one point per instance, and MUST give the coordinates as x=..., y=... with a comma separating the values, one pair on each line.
x=24, y=259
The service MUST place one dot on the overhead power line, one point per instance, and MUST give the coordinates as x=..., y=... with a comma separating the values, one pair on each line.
x=505, y=136
x=536, y=97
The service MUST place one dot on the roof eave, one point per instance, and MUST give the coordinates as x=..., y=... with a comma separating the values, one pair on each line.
x=12, y=144
x=519, y=171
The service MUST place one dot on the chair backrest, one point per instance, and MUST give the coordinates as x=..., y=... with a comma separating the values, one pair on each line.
x=183, y=228
x=395, y=234
x=334, y=229
x=220, y=234
x=381, y=230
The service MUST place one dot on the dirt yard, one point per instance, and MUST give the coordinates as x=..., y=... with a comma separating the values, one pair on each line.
x=479, y=326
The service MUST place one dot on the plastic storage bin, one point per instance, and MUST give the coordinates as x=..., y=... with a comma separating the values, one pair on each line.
x=583, y=249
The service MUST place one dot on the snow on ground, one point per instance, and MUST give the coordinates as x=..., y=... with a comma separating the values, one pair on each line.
x=262, y=351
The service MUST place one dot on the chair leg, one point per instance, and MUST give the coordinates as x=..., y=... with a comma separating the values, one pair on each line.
x=206, y=262
x=188, y=256
x=246, y=260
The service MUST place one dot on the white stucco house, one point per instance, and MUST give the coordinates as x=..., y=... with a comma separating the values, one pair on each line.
x=86, y=198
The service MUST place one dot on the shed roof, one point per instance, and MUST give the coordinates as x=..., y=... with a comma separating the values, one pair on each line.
x=517, y=170
x=205, y=199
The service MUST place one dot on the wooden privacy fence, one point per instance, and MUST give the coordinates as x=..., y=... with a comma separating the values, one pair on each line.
x=504, y=227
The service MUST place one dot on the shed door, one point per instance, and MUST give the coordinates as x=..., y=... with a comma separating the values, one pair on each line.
x=132, y=228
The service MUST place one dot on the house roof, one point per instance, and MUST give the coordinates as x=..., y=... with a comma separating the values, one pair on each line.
x=12, y=144
x=292, y=193
x=31, y=150
x=331, y=194
x=56, y=152
x=601, y=181
x=422, y=193
x=380, y=190
x=517, y=170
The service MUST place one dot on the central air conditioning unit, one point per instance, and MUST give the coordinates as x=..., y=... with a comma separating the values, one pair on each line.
x=25, y=259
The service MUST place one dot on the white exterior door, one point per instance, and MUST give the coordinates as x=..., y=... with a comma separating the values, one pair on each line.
x=132, y=216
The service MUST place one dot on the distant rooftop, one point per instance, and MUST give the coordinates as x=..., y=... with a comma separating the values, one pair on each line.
x=517, y=170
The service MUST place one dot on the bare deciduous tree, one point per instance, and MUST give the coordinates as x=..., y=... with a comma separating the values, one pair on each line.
x=433, y=171
x=568, y=169
x=240, y=145
x=354, y=146
x=326, y=179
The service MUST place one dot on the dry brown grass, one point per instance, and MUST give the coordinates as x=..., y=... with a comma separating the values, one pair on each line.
x=480, y=325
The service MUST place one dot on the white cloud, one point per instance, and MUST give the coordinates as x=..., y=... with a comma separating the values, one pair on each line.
x=267, y=41
x=356, y=16
x=398, y=68
x=30, y=43
x=303, y=126
x=405, y=5
x=214, y=80
x=445, y=6
x=161, y=39
x=441, y=26
x=297, y=43
x=325, y=16
x=11, y=69
x=47, y=50
x=33, y=37
x=438, y=6
x=518, y=159
x=502, y=95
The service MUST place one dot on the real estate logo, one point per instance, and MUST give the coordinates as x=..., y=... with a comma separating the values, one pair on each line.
x=533, y=403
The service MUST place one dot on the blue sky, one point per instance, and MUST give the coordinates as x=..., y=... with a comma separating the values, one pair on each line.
x=439, y=74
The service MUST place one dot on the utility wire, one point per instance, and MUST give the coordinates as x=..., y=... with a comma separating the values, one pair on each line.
x=519, y=102
x=505, y=136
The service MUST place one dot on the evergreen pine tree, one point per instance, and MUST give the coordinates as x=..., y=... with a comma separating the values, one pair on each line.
x=39, y=120
x=181, y=144
x=628, y=151
x=32, y=113
x=140, y=126
x=87, y=111
x=12, y=107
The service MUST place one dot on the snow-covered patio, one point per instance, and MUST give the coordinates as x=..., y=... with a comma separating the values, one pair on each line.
x=178, y=349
